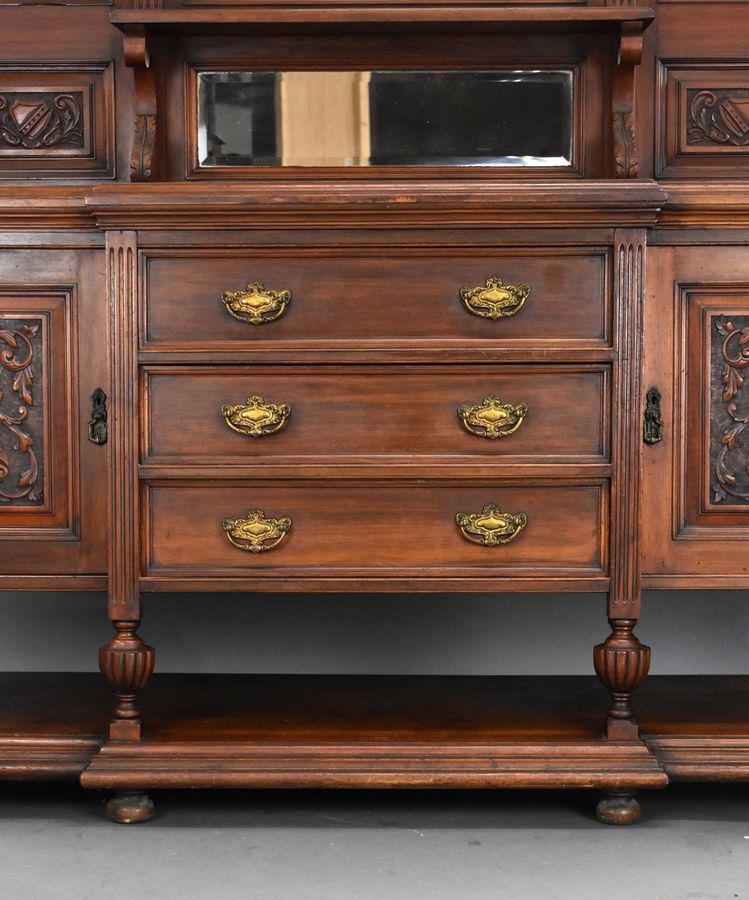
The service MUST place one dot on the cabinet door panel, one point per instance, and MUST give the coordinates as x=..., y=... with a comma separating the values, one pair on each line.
x=695, y=501
x=52, y=357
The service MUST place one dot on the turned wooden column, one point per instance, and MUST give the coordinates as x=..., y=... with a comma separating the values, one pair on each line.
x=622, y=663
x=126, y=661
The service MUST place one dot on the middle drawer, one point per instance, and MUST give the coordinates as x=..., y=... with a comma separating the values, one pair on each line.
x=204, y=414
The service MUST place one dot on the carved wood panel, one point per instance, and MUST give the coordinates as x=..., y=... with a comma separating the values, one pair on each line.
x=703, y=116
x=35, y=413
x=53, y=355
x=56, y=122
x=718, y=117
x=729, y=410
x=21, y=411
x=695, y=523
x=38, y=120
x=714, y=408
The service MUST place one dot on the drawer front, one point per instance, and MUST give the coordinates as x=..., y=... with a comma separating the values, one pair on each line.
x=203, y=415
x=361, y=528
x=338, y=298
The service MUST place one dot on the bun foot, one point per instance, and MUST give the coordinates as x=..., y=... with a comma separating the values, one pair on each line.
x=618, y=809
x=129, y=807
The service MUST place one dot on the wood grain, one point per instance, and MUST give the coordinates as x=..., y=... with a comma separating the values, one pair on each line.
x=399, y=412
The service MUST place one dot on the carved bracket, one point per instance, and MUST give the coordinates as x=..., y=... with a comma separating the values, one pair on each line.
x=142, y=167
x=626, y=162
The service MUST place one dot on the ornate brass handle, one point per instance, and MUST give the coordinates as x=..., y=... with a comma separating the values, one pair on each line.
x=256, y=417
x=492, y=418
x=495, y=300
x=256, y=305
x=256, y=533
x=491, y=526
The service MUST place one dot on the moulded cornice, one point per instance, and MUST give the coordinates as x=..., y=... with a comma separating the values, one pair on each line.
x=706, y=204
x=46, y=208
x=381, y=204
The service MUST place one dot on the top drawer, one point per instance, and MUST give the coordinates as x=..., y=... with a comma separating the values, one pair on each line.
x=376, y=299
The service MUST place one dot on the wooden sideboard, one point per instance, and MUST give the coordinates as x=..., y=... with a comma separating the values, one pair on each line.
x=232, y=376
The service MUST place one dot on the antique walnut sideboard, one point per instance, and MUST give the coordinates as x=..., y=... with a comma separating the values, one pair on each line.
x=364, y=297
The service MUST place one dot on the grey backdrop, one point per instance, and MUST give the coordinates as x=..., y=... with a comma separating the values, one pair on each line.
x=694, y=632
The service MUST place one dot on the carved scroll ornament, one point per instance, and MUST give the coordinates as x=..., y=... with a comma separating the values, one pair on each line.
x=731, y=463
x=19, y=466
x=39, y=121
x=718, y=116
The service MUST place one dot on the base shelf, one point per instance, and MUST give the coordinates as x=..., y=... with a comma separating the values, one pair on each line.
x=374, y=731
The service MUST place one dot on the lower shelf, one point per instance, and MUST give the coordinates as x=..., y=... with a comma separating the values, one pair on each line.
x=373, y=731
x=596, y=764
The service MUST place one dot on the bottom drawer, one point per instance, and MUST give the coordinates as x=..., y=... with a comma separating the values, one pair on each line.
x=324, y=529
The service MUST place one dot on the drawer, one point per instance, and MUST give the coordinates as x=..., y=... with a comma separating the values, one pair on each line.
x=205, y=414
x=359, y=528
x=343, y=299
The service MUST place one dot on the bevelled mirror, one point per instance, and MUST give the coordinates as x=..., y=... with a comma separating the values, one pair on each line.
x=387, y=118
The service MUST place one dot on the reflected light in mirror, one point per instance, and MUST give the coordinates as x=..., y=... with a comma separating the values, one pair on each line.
x=459, y=118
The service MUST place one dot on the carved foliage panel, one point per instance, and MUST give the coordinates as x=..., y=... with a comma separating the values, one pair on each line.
x=56, y=122
x=729, y=410
x=714, y=404
x=703, y=119
x=38, y=455
x=22, y=425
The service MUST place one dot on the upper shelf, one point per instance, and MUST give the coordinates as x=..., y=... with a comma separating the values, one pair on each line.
x=382, y=15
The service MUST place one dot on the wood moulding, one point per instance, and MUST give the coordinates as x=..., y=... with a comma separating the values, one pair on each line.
x=719, y=204
x=594, y=764
x=389, y=203
x=36, y=758
x=381, y=15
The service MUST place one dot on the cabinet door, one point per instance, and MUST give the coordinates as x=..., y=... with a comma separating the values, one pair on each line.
x=53, y=351
x=695, y=484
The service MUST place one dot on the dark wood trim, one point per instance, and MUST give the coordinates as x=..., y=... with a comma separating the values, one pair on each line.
x=382, y=17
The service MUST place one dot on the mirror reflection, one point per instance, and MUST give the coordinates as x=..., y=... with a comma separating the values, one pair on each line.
x=481, y=118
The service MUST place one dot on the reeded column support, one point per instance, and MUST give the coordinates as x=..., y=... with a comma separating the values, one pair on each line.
x=127, y=663
x=622, y=664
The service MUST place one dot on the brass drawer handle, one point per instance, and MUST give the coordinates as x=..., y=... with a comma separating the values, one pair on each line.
x=495, y=300
x=256, y=417
x=256, y=305
x=256, y=533
x=493, y=419
x=491, y=526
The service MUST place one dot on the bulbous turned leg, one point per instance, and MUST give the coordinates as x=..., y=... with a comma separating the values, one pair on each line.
x=129, y=807
x=618, y=809
x=127, y=663
x=622, y=663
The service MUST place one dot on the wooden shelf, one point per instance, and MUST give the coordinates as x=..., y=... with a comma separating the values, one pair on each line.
x=392, y=17
x=373, y=731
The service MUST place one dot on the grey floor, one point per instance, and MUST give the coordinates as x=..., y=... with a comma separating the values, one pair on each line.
x=692, y=842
